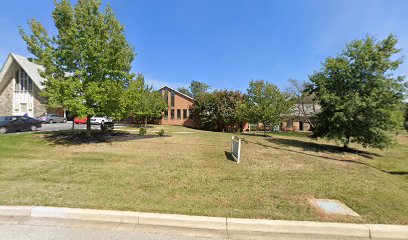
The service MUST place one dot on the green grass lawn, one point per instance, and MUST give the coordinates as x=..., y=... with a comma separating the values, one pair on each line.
x=190, y=172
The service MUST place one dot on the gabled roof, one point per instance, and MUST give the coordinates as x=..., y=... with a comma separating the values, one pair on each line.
x=30, y=68
x=184, y=95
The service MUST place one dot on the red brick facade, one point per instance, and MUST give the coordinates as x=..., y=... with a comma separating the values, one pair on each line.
x=179, y=110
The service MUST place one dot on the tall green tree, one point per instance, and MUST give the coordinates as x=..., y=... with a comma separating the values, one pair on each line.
x=265, y=103
x=87, y=63
x=205, y=109
x=197, y=87
x=142, y=101
x=185, y=91
x=358, y=93
x=219, y=110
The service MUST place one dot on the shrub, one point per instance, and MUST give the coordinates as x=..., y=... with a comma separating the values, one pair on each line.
x=160, y=132
x=142, y=131
x=107, y=127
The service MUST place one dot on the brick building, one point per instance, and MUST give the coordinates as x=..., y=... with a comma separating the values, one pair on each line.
x=179, y=110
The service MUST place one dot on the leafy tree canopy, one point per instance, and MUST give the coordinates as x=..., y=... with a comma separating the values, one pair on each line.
x=218, y=110
x=265, y=103
x=185, y=91
x=197, y=87
x=358, y=93
x=87, y=63
x=142, y=101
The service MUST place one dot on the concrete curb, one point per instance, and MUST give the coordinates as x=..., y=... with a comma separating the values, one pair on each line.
x=231, y=226
x=298, y=227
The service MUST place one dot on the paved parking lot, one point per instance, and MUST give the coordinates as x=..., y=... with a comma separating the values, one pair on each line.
x=48, y=127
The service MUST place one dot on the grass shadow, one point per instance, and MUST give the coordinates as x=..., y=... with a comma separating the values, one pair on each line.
x=397, y=173
x=321, y=147
x=78, y=137
x=310, y=146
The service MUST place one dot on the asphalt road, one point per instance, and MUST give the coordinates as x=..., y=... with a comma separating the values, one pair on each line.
x=57, y=229
x=63, y=126
x=49, y=127
x=32, y=232
x=12, y=228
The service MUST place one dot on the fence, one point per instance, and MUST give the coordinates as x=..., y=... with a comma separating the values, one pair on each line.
x=236, y=148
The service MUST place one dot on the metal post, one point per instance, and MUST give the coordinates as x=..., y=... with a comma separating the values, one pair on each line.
x=239, y=150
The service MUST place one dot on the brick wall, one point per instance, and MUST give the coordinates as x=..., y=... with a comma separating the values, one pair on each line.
x=180, y=103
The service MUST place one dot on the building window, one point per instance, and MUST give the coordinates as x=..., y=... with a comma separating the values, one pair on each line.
x=23, y=81
x=185, y=114
x=172, y=99
x=172, y=113
x=17, y=86
x=166, y=114
x=166, y=96
x=190, y=114
x=30, y=84
x=289, y=124
x=178, y=113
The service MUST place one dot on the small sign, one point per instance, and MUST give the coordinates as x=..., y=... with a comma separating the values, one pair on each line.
x=236, y=148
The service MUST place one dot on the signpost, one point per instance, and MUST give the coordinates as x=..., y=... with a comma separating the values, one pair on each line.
x=236, y=148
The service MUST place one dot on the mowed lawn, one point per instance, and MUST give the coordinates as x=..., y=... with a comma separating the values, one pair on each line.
x=190, y=172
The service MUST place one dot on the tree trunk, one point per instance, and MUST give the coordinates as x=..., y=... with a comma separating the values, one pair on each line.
x=346, y=143
x=73, y=124
x=310, y=123
x=264, y=127
x=88, y=126
x=145, y=122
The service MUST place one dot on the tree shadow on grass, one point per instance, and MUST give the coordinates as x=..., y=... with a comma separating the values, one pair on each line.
x=319, y=147
x=333, y=150
x=397, y=173
x=325, y=148
x=78, y=137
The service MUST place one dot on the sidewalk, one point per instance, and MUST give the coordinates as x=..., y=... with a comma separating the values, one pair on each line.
x=229, y=228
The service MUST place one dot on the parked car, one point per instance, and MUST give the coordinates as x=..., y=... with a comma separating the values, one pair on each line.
x=52, y=118
x=18, y=123
x=78, y=120
x=100, y=120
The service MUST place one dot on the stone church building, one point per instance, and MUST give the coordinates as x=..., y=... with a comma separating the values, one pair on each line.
x=20, y=87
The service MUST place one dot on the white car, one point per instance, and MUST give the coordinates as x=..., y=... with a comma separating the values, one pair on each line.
x=100, y=120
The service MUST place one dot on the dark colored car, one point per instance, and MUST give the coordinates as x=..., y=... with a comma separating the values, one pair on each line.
x=18, y=123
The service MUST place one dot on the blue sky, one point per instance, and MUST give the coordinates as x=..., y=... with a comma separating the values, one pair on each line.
x=226, y=43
